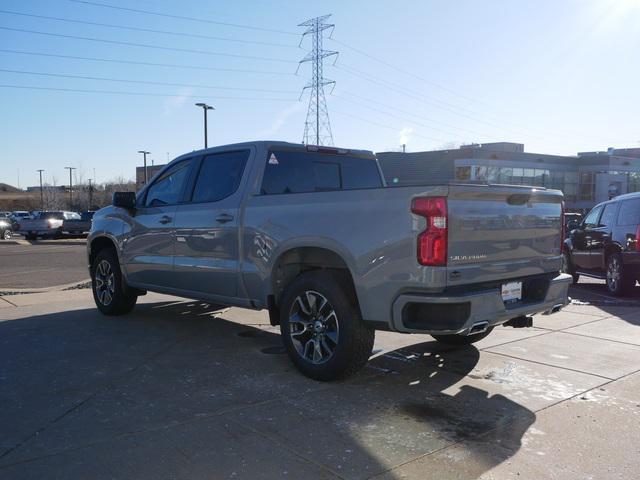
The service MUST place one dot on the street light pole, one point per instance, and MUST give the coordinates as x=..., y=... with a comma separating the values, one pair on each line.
x=41, y=192
x=71, y=169
x=205, y=107
x=144, y=154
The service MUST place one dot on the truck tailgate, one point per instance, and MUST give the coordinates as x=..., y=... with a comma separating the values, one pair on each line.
x=502, y=232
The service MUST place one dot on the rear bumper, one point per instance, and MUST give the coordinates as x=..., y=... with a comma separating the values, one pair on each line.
x=456, y=314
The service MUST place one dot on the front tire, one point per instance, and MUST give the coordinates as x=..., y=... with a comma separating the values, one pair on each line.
x=619, y=282
x=321, y=327
x=462, y=340
x=109, y=291
x=5, y=235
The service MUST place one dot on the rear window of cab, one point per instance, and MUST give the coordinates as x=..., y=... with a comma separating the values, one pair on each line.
x=302, y=172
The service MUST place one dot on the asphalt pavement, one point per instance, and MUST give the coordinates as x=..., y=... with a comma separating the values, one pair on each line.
x=182, y=389
x=42, y=264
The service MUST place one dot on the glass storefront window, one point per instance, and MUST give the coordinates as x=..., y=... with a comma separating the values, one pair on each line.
x=463, y=173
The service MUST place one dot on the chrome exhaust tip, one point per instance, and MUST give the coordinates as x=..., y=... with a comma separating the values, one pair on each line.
x=555, y=309
x=478, y=327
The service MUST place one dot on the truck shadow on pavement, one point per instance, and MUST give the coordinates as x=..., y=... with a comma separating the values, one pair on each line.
x=182, y=390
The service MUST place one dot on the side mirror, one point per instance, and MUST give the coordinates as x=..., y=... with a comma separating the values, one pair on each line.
x=125, y=200
x=572, y=225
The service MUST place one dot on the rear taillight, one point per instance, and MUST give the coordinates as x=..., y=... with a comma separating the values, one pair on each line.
x=638, y=239
x=432, y=242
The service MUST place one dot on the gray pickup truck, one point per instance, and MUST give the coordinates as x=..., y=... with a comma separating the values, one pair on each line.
x=315, y=236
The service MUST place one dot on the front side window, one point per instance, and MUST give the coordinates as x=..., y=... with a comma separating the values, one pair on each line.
x=219, y=176
x=167, y=189
x=591, y=221
x=608, y=215
x=302, y=172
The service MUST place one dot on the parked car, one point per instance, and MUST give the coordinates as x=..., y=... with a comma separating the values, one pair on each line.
x=78, y=227
x=606, y=244
x=313, y=235
x=48, y=224
x=17, y=216
x=6, y=230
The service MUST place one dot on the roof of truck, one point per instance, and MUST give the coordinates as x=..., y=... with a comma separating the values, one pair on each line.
x=275, y=143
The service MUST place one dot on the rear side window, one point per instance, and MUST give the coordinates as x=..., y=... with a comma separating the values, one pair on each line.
x=629, y=213
x=219, y=176
x=300, y=172
x=167, y=189
x=608, y=215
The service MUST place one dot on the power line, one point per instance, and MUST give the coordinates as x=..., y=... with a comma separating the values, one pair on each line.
x=148, y=30
x=400, y=117
x=142, y=82
x=182, y=17
x=401, y=70
x=145, y=94
x=381, y=125
x=146, y=45
x=150, y=64
x=422, y=99
x=387, y=84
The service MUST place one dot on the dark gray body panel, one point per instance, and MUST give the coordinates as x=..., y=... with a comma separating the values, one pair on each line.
x=372, y=230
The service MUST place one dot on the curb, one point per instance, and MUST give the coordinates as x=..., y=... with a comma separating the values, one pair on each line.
x=23, y=291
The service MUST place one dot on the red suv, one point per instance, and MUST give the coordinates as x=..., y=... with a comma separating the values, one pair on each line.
x=607, y=244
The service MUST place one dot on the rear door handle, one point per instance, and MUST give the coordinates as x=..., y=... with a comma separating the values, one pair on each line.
x=224, y=218
x=165, y=219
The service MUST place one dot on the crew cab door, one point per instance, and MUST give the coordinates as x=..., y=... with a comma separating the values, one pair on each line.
x=582, y=237
x=601, y=236
x=148, y=248
x=207, y=226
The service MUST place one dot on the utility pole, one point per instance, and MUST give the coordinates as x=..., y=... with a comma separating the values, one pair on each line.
x=317, y=127
x=404, y=148
x=41, y=192
x=144, y=154
x=71, y=169
x=205, y=108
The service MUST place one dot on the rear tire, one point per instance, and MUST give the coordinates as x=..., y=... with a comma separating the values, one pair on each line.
x=462, y=340
x=108, y=285
x=31, y=237
x=321, y=327
x=567, y=267
x=619, y=282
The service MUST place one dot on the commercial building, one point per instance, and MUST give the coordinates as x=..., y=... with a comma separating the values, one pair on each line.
x=586, y=178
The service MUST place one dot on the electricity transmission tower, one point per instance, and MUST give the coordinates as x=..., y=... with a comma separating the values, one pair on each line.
x=317, y=128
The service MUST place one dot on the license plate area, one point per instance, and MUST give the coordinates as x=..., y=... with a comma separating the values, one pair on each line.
x=511, y=292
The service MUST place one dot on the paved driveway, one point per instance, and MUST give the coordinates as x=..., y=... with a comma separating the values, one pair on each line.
x=179, y=389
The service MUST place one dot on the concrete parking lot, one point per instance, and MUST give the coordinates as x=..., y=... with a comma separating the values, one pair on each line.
x=181, y=389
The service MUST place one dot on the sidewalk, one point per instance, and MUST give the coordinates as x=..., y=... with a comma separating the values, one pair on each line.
x=180, y=390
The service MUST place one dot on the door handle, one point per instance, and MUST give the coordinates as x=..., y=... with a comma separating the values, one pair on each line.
x=224, y=218
x=165, y=219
